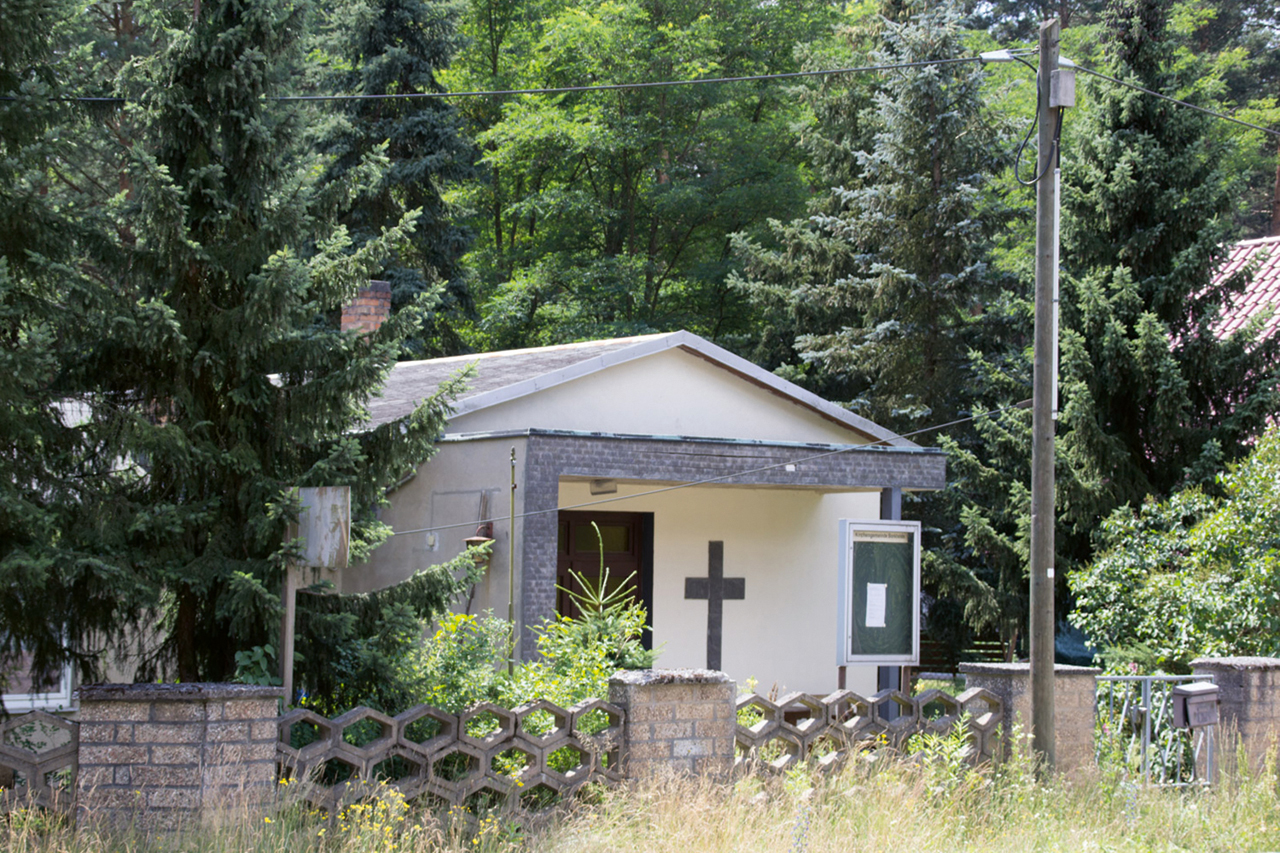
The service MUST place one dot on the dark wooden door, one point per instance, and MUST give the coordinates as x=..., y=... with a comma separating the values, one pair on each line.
x=628, y=548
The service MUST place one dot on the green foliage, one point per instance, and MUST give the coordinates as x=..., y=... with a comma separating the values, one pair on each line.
x=459, y=662
x=888, y=298
x=206, y=380
x=607, y=213
x=51, y=453
x=1153, y=398
x=398, y=47
x=257, y=665
x=947, y=758
x=884, y=282
x=1191, y=575
x=463, y=661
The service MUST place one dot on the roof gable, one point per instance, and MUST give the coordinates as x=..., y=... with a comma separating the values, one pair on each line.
x=503, y=377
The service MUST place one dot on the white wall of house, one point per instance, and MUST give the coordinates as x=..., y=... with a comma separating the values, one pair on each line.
x=784, y=542
x=446, y=493
x=668, y=393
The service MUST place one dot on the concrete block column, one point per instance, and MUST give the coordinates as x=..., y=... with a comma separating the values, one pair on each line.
x=156, y=755
x=1075, y=699
x=680, y=721
x=1248, y=704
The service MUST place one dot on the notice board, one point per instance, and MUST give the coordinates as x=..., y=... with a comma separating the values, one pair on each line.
x=879, y=593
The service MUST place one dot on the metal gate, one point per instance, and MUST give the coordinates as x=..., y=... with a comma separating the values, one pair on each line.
x=1135, y=729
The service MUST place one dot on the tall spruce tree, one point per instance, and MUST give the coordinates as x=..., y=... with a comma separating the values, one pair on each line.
x=48, y=463
x=885, y=280
x=398, y=47
x=1153, y=397
x=216, y=380
x=880, y=295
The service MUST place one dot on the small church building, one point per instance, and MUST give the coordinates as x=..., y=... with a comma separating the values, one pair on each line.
x=715, y=486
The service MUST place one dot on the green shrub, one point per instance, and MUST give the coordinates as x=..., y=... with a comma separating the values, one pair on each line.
x=1193, y=575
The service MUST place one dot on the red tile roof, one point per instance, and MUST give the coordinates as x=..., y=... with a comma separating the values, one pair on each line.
x=1262, y=294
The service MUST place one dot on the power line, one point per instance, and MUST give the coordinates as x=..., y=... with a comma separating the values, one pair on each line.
x=798, y=461
x=663, y=84
x=614, y=87
x=559, y=90
x=1178, y=101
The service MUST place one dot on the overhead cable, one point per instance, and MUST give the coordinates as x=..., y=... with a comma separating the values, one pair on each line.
x=1178, y=101
x=560, y=90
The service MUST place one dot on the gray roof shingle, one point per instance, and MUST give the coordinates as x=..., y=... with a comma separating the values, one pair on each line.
x=501, y=376
x=412, y=381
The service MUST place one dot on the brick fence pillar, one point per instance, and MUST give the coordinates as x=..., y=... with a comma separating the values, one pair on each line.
x=1075, y=691
x=1248, y=703
x=155, y=755
x=680, y=721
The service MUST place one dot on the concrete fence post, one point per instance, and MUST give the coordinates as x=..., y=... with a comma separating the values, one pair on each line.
x=157, y=755
x=679, y=721
x=1075, y=697
x=1248, y=704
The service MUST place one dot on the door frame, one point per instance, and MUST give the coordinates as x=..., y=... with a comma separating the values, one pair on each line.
x=644, y=529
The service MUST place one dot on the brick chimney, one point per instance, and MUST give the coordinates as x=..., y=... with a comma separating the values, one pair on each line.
x=371, y=307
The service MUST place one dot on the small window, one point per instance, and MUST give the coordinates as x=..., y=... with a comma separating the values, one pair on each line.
x=50, y=691
x=616, y=538
x=879, y=593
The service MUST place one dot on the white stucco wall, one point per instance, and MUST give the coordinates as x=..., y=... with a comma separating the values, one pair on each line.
x=446, y=492
x=785, y=544
x=669, y=393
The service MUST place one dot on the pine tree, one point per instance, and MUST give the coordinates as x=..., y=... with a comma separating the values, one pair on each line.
x=399, y=47
x=215, y=380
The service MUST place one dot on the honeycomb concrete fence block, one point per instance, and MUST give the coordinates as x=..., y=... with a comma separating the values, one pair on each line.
x=674, y=722
x=179, y=761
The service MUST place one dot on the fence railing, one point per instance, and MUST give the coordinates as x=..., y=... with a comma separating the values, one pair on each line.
x=1135, y=728
x=776, y=735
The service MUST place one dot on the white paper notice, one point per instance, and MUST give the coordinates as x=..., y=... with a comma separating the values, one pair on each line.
x=876, y=594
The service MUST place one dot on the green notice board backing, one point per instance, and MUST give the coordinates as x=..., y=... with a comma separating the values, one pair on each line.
x=879, y=592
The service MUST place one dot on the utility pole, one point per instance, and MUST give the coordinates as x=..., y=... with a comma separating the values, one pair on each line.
x=511, y=572
x=1043, y=624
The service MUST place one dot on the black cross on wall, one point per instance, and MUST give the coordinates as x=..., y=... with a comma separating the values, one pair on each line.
x=716, y=589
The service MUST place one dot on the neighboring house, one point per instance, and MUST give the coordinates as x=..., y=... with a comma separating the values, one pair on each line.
x=20, y=691
x=1263, y=292
x=630, y=421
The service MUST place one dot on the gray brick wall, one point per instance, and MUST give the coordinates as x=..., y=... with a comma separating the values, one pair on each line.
x=551, y=455
x=1074, y=694
x=1248, y=706
x=155, y=755
x=679, y=721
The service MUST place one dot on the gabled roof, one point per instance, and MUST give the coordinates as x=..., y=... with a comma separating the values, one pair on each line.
x=499, y=377
x=1262, y=294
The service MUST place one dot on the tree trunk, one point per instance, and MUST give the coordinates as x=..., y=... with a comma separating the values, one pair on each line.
x=184, y=636
x=1275, y=200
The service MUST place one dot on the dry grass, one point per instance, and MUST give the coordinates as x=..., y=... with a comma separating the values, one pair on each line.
x=876, y=804
x=912, y=808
